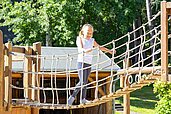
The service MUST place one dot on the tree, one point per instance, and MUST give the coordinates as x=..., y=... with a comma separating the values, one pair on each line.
x=58, y=22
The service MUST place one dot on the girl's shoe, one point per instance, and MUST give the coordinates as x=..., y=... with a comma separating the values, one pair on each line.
x=83, y=101
x=70, y=100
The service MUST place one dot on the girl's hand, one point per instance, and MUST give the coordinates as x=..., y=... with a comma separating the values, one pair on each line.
x=112, y=51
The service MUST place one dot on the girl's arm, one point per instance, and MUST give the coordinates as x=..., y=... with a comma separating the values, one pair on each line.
x=103, y=48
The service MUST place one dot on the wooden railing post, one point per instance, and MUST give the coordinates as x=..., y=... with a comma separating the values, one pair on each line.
x=27, y=76
x=164, y=42
x=36, y=68
x=1, y=72
x=8, y=76
x=109, y=103
x=126, y=97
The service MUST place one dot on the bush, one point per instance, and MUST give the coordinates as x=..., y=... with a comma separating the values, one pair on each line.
x=163, y=89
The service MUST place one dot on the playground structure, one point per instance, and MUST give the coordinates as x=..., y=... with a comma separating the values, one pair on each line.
x=131, y=77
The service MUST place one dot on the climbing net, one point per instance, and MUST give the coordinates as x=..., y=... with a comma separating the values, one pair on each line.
x=137, y=58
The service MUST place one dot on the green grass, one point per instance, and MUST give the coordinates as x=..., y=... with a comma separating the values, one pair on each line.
x=142, y=101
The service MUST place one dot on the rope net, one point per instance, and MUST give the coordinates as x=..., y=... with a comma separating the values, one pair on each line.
x=136, y=61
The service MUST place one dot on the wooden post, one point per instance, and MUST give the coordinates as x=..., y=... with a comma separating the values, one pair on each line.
x=109, y=103
x=36, y=68
x=1, y=72
x=126, y=97
x=27, y=76
x=99, y=88
x=164, y=41
x=34, y=111
x=8, y=76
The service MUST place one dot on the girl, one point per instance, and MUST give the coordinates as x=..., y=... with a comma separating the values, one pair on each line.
x=85, y=43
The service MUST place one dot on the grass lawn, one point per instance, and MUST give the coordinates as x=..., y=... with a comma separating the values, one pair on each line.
x=142, y=101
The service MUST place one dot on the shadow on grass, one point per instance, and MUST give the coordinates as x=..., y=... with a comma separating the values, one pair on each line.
x=140, y=103
x=145, y=93
x=143, y=104
x=143, y=98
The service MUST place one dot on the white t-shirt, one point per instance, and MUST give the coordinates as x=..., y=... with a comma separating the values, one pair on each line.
x=87, y=45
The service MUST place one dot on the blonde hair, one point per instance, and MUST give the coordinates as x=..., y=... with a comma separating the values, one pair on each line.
x=83, y=27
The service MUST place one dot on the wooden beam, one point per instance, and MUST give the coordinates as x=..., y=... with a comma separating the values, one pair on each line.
x=18, y=49
x=126, y=97
x=27, y=76
x=168, y=4
x=164, y=41
x=8, y=77
x=99, y=88
x=136, y=70
x=109, y=103
x=126, y=103
x=36, y=68
x=62, y=75
x=17, y=58
x=1, y=72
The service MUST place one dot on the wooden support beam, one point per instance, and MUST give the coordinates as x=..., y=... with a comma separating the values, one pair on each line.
x=99, y=88
x=164, y=41
x=8, y=77
x=126, y=103
x=27, y=76
x=19, y=49
x=126, y=97
x=109, y=103
x=36, y=68
x=1, y=72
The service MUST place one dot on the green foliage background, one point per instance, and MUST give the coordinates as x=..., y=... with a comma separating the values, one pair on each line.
x=30, y=20
x=163, y=89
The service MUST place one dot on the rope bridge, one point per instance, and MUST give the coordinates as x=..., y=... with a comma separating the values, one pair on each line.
x=144, y=69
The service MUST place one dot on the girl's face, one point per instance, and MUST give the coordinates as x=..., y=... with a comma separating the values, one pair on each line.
x=87, y=32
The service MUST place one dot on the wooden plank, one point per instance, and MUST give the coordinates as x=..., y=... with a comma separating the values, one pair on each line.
x=17, y=58
x=1, y=72
x=21, y=110
x=6, y=112
x=164, y=42
x=8, y=77
x=18, y=49
x=17, y=75
x=27, y=76
x=168, y=5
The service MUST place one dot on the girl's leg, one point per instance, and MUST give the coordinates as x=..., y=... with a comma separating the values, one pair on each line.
x=80, y=75
x=77, y=89
x=86, y=72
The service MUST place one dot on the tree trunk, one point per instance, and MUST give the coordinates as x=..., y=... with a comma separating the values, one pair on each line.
x=151, y=26
x=136, y=23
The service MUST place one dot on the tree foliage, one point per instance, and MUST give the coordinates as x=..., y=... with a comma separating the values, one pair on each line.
x=163, y=89
x=61, y=20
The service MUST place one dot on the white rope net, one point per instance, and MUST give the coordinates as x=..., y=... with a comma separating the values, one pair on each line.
x=52, y=92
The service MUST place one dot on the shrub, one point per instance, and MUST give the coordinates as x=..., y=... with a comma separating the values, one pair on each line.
x=163, y=89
